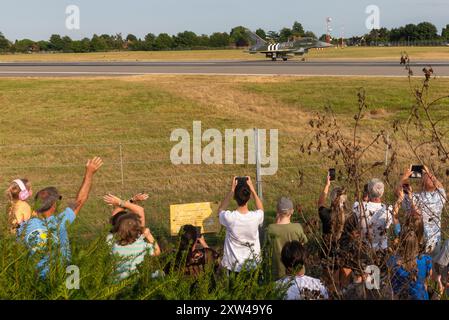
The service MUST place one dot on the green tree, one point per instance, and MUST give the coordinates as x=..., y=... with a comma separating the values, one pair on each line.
x=285, y=34
x=83, y=45
x=43, y=45
x=323, y=37
x=149, y=42
x=4, y=43
x=186, y=39
x=273, y=36
x=131, y=38
x=427, y=31
x=203, y=41
x=310, y=34
x=163, y=42
x=219, y=40
x=109, y=41
x=24, y=45
x=98, y=44
x=445, y=33
x=239, y=36
x=297, y=29
x=378, y=35
x=56, y=42
x=118, y=42
x=261, y=33
x=66, y=44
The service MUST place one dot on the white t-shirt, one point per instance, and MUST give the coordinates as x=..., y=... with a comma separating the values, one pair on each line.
x=430, y=204
x=304, y=288
x=375, y=219
x=242, y=238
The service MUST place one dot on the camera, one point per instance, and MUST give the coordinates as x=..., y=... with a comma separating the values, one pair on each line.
x=241, y=180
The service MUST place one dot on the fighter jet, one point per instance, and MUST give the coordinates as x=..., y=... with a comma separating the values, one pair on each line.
x=283, y=50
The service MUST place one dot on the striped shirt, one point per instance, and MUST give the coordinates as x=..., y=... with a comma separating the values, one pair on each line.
x=304, y=288
x=132, y=255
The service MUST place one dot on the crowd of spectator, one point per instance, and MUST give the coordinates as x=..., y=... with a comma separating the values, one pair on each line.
x=367, y=249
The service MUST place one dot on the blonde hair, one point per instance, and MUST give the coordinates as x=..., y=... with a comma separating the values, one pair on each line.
x=338, y=212
x=12, y=194
x=409, y=250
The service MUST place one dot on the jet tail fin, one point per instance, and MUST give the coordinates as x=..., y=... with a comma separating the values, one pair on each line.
x=256, y=41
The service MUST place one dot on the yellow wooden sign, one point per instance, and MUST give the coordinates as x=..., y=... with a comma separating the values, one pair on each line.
x=202, y=215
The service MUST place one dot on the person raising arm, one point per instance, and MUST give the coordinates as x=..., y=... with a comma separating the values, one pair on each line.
x=225, y=203
x=92, y=167
x=151, y=240
x=139, y=211
x=242, y=244
x=120, y=204
x=324, y=193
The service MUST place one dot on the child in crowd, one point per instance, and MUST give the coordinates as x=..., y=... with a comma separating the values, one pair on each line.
x=130, y=206
x=281, y=232
x=333, y=220
x=194, y=254
x=18, y=192
x=409, y=269
x=131, y=241
x=300, y=286
x=242, y=244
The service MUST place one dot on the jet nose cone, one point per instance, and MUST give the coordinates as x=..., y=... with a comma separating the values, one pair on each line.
x=322, y=44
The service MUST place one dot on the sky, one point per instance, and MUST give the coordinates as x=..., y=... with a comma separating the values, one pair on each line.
x=37, y=20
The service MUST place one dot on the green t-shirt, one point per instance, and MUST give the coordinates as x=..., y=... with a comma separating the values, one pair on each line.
x=277, y=236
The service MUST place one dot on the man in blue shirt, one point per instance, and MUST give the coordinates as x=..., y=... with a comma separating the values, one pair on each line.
x=46, y=234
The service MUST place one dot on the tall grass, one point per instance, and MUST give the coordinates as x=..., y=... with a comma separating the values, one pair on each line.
x=19, y=279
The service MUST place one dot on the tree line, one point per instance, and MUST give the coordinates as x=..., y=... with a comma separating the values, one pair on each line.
x=190, y=40
x=422, y=32
x=151, y=42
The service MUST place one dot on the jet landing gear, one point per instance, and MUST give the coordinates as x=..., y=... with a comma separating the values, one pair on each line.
x=275, y=57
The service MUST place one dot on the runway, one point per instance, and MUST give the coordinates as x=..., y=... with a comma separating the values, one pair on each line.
x=259, y=67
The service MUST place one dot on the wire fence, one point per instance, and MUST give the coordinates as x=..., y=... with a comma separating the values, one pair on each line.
x=145, y=166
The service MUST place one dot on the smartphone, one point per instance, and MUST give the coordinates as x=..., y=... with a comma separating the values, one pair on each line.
x=417, y=171
x=242, y=180
x=332, y=174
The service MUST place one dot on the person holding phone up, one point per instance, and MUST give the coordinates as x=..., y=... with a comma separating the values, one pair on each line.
x=242, y=244
x=429, y=202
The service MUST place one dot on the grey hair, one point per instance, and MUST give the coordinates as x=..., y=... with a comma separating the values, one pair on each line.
x=376, y=189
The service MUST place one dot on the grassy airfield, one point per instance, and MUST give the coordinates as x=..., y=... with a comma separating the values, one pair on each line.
x=350, y=53
x=65, y=121
x=49, y=127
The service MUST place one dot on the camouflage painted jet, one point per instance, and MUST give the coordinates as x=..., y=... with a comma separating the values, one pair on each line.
x=283, y=50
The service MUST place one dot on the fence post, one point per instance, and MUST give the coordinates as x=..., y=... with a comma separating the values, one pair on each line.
x=121, y=166
x=258, y=165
